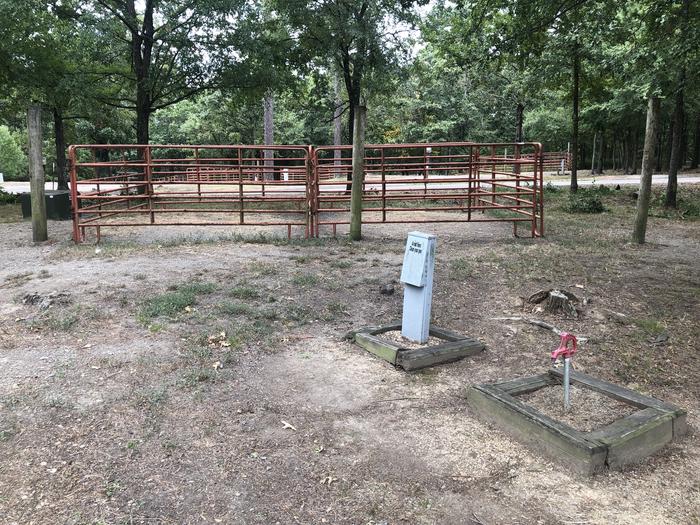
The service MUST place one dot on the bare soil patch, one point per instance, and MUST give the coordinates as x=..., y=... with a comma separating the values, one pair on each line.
x=126, y=404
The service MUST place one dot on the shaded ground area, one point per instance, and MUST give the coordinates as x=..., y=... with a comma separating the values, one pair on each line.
x=171, y=379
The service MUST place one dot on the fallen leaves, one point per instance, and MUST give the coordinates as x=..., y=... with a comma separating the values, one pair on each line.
x=218, y=340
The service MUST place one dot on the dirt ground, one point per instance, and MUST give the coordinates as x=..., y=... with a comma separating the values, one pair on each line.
x=187, y=376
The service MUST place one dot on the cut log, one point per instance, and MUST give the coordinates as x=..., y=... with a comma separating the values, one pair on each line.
x=538, y=297
x=558, y=303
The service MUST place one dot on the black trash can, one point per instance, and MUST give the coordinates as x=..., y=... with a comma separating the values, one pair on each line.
x=57, y=205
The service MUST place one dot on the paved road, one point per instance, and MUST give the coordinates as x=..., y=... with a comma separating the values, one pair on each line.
x=622, y=180
x=610, y=180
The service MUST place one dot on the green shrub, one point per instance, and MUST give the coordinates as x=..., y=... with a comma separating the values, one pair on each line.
x=585, y=201
x=13, y=161
x=7, y=198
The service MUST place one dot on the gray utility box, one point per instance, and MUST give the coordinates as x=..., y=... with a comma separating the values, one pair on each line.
x=57, y=205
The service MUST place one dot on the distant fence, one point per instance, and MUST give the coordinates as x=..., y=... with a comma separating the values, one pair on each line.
x=304, y=188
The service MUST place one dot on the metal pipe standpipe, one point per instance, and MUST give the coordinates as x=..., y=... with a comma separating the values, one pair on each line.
x=566, y=353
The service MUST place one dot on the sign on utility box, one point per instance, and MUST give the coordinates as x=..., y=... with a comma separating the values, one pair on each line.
x=417, y=277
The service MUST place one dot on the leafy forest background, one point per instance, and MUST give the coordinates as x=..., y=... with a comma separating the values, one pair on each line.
x=567, y=73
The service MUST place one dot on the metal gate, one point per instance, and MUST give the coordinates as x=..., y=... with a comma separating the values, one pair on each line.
x=303, y=188
x=166, y=185
x=429, y=183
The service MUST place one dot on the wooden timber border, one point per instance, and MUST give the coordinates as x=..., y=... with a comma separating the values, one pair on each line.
x=625, y=441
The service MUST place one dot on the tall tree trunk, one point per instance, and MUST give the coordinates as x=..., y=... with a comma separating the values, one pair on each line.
x=575, y=116
x=354, y=101
x=269, y=134
x=60, y=139
x=601, y=152
x=595, y=143
x=519, y=109
x=141, y=48
x=675, y=159
x=143, y=114
x=640, y=221
x=358, y=173
x=337, y=124
x=337, y=114
x=695, y=161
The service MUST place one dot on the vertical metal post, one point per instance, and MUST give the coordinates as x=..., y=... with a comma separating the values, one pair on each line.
x=149, y=181
x=541, y=201
x=535, y=191
x=567, y=402
x=74, y=193
x=383, y=187
x=240, y=183
x=199, y=174
x=417, y=277
x=311, y=169
x=493, y=176
x=425, y=172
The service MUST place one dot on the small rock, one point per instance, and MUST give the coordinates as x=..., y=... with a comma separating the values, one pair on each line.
x=659, y=340
x=387, y=289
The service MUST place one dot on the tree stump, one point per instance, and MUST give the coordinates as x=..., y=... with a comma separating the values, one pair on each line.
x=559, y=304
x=556, y=302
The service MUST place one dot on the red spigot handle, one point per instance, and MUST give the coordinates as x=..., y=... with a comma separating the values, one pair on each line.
x=564, y=351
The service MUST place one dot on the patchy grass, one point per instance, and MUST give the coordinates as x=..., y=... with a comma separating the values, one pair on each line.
x=341, y=264
x=687, y=200
x=17, y=279
x=305, y=279
x=244, y=292
x=170, y=398
x=166, y=304
x=197, y=375
x=152, y=396
x=461, y=268
x=197, y=288
x=231, y=308
x=64, y=319
x=302, y=259
x=298, y=314
x=173, y=302
x=650, y=326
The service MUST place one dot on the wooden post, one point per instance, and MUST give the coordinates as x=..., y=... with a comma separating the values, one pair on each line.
x=640, y=221
x=36, y=174
x=358, y=172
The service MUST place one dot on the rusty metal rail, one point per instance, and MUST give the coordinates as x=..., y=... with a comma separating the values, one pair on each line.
x=428, y=183
x=303, y=188
x=166, y=185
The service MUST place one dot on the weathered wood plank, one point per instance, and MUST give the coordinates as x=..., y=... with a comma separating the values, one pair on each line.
x=389, y=327
x=636, y=436
x=414, y=359
x=444, y=333
x=556, y=441
x=525, y=385
x=378, y=347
